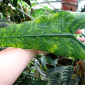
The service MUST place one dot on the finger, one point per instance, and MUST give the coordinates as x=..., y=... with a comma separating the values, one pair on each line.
x=82, y=39
x=39, y=52
x=78, y=31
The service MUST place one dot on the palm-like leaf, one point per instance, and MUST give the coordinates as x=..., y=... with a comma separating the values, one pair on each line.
x=53, y=34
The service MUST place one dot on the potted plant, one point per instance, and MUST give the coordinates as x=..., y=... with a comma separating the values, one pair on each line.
x=69, y=5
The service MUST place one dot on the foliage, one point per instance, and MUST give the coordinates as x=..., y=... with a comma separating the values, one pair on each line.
x=14, y=10
x=55, y=78
x=38, y=13
x=18, y=10
x=57, y=75
x=63, y=75
x=68, y=77
x=60, y=34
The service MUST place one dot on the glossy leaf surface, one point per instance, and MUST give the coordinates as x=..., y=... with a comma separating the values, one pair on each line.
x=53, y=33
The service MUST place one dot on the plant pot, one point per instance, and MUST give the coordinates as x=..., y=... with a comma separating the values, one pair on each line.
x=70, y=5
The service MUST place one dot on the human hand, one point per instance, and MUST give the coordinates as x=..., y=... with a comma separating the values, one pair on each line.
x=79, y=32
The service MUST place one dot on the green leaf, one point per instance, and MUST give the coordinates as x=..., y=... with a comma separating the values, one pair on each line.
x=51, y=71
x=62, y=75
x=51, y=61
x=43, y=61
x=28, y=2
x=4, y=23
x=33, y=4
x=68, y=77
x=15, y=3
x=53, y=33
x=55, y=78
x=39, y=82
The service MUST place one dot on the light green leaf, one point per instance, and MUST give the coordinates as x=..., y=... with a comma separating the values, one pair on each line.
x=53, y=33
x=43, y=61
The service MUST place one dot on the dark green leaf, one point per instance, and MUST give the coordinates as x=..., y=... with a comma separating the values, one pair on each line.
x=28, y=2
x=39, y=82
x=6, y=1
x=68, y=77
x=15, y=3
x=51, y=61
x=51, y=71
x=55, y=78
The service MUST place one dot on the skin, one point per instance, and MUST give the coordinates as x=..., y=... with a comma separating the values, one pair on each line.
x=13, y=61
x=79, y=32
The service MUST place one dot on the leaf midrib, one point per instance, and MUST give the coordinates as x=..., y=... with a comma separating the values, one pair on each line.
x=44, y=35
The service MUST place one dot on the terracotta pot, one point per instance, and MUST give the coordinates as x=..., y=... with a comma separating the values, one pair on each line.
x=70, y=5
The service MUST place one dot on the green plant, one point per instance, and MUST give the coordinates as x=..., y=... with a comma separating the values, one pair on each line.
x=38, y=13
x=56, y=33
x=62, y=75
x=16, y=10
